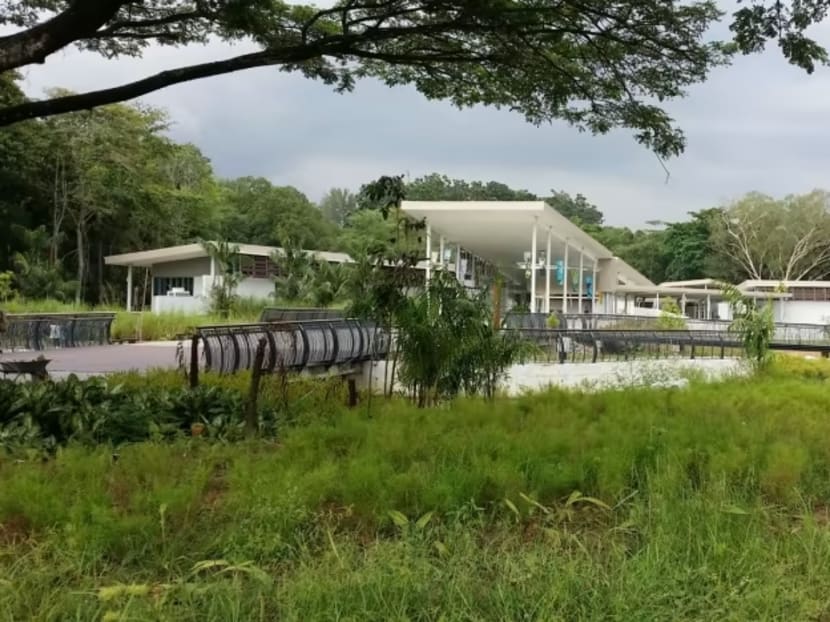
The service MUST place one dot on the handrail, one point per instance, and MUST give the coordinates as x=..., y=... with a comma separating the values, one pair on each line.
x=49, y=331
x=293, y=346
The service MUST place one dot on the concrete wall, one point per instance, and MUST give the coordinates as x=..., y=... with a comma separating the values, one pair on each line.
x=189, y=267
x=540, y=376
x=802, y=312
x=180, y=304
x=255, y=288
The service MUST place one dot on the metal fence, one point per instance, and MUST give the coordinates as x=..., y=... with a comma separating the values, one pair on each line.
x=291, y=346
x=591, y=346
x=276, y=314
x=785, y=332
x=50, y=331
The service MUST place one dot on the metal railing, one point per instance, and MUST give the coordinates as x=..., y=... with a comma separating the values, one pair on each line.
x=50, y=331
x=292, y=346
x=277, y=314
x=784, y=331
x=591, y=346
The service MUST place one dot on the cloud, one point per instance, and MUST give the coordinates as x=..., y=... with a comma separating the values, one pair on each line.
x=757, y=125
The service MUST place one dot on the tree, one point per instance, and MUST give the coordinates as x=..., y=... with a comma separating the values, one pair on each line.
x=596, y=66
x=337, y=205
x=293, y=265
x=223, y=292
x=690, y=253
x=787, y=239
x=784, y=22
x=326, y=282
x=257, y=212
x=576, y=209
x=436, y=187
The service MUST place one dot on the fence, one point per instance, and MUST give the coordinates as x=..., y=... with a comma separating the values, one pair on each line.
x=591, y=346
x=275, y=314
x=784, y=332
x=49, y=331
x=292, y=346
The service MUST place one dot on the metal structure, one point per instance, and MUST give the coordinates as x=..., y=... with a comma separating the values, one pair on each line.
x=277, y=314
x=291, y=346
x=591, y=346
x=784, y=332
x=50, y=331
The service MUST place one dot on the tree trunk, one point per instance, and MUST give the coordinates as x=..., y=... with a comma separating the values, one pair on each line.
x=101, y=272
x=79, y=241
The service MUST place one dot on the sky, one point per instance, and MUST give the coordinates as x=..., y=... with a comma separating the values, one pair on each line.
x=757, y=125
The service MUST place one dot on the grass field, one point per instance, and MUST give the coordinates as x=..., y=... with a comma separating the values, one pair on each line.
x=706, y=503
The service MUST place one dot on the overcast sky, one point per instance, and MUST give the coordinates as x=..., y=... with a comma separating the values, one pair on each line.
x=760, y=124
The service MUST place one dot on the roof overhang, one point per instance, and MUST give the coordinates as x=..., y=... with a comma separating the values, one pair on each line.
x=185, y=252
x=501, y=231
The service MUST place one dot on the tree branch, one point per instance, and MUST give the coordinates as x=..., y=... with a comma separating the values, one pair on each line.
x=131, y=90
x=81, y=19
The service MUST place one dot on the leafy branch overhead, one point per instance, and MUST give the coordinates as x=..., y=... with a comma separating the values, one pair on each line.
x=595, y=65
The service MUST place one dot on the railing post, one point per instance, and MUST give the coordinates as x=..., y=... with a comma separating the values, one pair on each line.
x=194, y=361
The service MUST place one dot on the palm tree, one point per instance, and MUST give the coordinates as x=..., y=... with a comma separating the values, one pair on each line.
x=223, y=292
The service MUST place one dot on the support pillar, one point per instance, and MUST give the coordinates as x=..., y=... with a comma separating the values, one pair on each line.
x=708, y=307
x=683, y=304
x=533, y=270
x=129, y=288
x=458, y=275
x=565, y=281
x=594, y=289
x=441, y=252
x=581, y=277
x=429, y=253
x=547, y=276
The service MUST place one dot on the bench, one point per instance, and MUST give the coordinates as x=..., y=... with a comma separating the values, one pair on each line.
x=36, y=369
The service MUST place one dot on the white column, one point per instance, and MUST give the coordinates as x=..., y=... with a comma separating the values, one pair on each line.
x=708, y=307
x=212, y=268
x=565, y=280
x=547, y=275
x=683, y=304
x=594, y=289
x=581, y=277
x=458, y=274
x=129, y=288
x=441, y=252
x=429, y=253
x=657, y=301
x=533, y=270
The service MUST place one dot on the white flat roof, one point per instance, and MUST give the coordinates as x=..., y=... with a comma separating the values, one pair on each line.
x=501, y=231
x=193, y=251
x=692, y=292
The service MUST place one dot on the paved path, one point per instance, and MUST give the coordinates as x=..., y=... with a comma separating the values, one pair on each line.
x=96, y=360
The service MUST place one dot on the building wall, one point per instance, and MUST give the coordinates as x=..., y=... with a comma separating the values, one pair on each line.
x=255, y=288
x=802, y=312
x=195, y=268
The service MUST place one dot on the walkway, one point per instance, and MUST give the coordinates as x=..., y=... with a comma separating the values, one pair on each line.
x=94, y=360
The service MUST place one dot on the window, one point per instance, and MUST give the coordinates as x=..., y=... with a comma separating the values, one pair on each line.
x=257, y=267
x=163, y=284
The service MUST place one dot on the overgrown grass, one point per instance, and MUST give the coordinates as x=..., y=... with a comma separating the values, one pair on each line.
x=707, y=503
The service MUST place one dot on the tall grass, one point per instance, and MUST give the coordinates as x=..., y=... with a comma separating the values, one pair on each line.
x=707, y=503
x=149, y=326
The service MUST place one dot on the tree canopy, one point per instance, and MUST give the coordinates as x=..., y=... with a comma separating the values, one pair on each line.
x=595, y=65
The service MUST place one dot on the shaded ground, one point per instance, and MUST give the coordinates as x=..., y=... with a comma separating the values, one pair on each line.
x=103, y=359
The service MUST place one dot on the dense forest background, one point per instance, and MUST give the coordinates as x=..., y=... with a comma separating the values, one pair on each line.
x=81, y=186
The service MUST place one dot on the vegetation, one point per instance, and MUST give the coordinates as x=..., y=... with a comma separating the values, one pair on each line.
x=697, y=504
x=671, y=316
x=754, y=323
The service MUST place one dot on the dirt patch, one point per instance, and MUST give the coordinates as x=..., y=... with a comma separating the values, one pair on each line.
x=216, y=487
x=15, y=529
